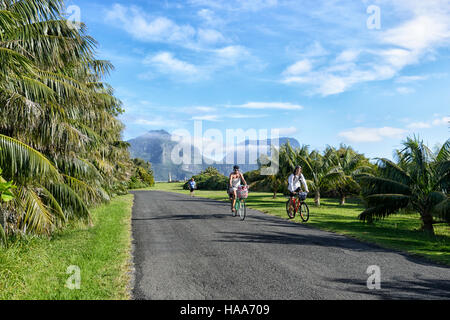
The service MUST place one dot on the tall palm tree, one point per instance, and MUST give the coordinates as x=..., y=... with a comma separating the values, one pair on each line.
x=318, y=169
x=348, y=163
x=419, y=182
x=60, y=138
x=288, y=159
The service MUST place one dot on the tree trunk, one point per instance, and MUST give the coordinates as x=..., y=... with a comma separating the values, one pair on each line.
x=317, y=199
x=427, y=222
x=275, y=194
x=342, y=200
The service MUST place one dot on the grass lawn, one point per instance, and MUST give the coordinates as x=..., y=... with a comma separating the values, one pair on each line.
x=396, y=232
x=36, y=268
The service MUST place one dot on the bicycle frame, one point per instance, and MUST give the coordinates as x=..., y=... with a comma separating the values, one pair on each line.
x=297, y=203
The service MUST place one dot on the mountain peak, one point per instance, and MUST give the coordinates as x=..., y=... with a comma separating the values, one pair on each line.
x=161, y=132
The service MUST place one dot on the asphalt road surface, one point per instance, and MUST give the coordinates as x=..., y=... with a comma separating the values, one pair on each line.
x=193, y=249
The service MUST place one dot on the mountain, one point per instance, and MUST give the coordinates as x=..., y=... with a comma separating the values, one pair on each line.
x=157, y=146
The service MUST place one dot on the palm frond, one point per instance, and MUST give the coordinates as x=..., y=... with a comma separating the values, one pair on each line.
x=70, y=201
x=20, y=162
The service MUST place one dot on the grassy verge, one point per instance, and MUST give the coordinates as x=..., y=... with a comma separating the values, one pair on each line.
x=397, y=232
x=36, y=268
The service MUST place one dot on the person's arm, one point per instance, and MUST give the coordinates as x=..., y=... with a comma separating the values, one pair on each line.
x=242, y=177
x=230, y=181
x=305, y=184
x=291, y=183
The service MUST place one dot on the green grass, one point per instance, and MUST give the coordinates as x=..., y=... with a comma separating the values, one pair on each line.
x=36, y=268
x=399, y=232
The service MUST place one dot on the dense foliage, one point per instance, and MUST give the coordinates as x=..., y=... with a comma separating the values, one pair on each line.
x=60, y=139
x=209, y=179
x=419, y=181
x=143, y=176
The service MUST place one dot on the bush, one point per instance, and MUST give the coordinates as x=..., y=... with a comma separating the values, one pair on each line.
x=210, y=179
x=143, y=175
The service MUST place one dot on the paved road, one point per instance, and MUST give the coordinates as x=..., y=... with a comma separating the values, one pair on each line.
x=194, y=249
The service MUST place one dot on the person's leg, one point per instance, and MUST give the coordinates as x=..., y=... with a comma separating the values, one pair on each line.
x=291, y=199
x=234, y=200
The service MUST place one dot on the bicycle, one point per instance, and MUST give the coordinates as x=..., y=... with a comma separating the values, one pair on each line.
x=241, y=206
x=294, y=204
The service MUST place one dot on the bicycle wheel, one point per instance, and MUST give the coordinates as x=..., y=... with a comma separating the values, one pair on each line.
x=290, y=209
x=242, y=210
x=304, y=212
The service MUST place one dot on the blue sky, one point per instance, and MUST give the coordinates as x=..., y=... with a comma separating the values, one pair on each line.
x=313, y=69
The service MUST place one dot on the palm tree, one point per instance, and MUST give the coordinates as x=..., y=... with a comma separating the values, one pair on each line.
x=348, y=163
x=288, y=159
x=420, y=181
x=317, y=168
x=60, y=138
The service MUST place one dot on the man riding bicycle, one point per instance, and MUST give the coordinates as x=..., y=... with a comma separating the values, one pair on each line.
x=296, y=180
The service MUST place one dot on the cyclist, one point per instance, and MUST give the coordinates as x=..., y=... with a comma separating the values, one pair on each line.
x=236, y=178
x=192, y=185
x=296, y=180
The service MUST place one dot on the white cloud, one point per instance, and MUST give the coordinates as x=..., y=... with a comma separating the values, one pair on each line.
x=214, y=118
x=210, y=36
x=167, y=63
x=231, y=54
x=298, y=68
x=405, y=90
x=157, y=122
x=236, y=5
x=391, y=50
x=269, y=105
x=443, y=121
x=409, y=79
x=419, y=125
x=348, y=55
x=148, y=28
x=372, y=134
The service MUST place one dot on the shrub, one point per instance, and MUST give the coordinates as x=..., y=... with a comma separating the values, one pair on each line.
x=209, y=179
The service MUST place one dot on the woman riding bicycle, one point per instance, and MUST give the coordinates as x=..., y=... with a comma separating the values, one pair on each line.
x=236, y=178
x=296, y=180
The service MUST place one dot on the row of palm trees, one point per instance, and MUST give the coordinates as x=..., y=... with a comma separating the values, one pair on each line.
x=333, y=169
x=60, y=139
x=418, y=180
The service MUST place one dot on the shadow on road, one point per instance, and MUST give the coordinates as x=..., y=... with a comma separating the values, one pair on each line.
x=185, y=217
x=309, y=239
x=418, y=288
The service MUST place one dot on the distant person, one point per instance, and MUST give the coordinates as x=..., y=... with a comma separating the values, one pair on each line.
x=192, y=186
x=236, y=178
x=296, y=181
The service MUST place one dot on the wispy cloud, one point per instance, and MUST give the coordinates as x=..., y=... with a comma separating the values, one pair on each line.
x=361, y=134
x=150, y=28
x=268, y=105
x=165, y=62
x=235, y=5
x=442, y=121
x=392, y=49
x=210, y=117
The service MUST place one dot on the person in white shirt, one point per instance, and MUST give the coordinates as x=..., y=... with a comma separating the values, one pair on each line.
x=296, y=180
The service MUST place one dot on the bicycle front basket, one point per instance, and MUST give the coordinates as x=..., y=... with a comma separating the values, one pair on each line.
x=242, y=193
x=302, y=196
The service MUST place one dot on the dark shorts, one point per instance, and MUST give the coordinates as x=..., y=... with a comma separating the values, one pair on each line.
x=292, y=194
x=192, y=189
